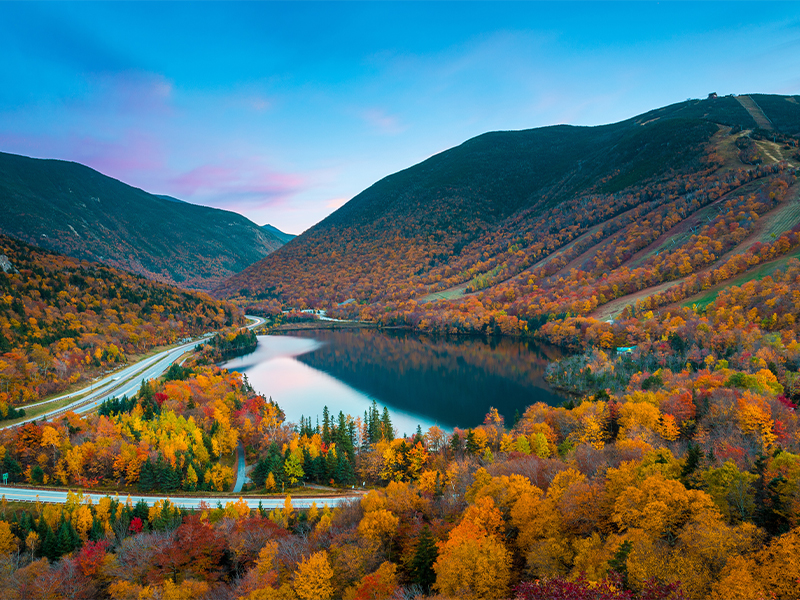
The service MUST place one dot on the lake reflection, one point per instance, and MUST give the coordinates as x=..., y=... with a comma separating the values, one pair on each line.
x=422, y=380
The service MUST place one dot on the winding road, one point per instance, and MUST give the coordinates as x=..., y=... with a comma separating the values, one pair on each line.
x=126, y=382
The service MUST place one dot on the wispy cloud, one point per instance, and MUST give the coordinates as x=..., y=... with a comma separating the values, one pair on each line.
x=382, y=122
x=243, y=183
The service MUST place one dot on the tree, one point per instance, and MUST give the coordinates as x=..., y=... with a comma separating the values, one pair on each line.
x=425, y=555
x=313, y=577
x=472, y=564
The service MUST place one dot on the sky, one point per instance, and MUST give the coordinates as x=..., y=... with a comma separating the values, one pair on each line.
x=284, y=111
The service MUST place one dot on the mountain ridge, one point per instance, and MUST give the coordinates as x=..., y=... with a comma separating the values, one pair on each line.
x=467, y=210
x=70, y=208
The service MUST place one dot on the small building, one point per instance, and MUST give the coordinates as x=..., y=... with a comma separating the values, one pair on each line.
x=625, y=349
x=712, y=95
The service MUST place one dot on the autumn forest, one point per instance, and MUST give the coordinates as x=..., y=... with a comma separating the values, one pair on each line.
x=660, y=254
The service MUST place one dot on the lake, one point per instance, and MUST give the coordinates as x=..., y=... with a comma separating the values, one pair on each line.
x=422, y=380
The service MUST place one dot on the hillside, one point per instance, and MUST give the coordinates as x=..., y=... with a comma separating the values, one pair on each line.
x=63, y=320
x=72, y=209
x=282, y=236
x=513, y=214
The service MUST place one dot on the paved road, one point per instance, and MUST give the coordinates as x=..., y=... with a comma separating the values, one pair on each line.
x=125, y=382
x=60, y=497
x=240, y=475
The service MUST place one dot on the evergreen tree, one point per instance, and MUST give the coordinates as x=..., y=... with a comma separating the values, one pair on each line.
x=455, y=444
x=374, y=424
x=387, y=429
x=308, y=465
x=260, y=472
x=620, y=562
x=96, y=533
x=471, y=445
x=275, y=462
x=319, y=468
x=49, y=547
x=141, y=510
x=326, y=425
x=425, y=554
x=344, y=471
x=418, y=437
x=331, y=462
x=693, y=457
x=344, y=443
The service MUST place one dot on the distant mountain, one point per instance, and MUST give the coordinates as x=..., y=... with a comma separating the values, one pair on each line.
x=70, y=208
x=284, y=237
x=498, y=204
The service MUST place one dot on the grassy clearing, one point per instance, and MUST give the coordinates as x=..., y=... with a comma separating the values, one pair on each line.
x=40, y=409
x=786, y=217
x=759, y=272
x=449, y=294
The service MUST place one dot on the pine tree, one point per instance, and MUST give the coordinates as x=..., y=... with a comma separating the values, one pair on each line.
x=49, y=548
x=693, y=457
x=387, y=429
x=326, y=425
x=319, y=468
x=308, y=465
x=331, y=462
x=344, y=443
x=418, y=438
x=96, y=533
x=425, y=554
x=147, y=478
x=471, y=445
x=374, y=424
x=260, y=472
x=455, y=444
x=344, y=471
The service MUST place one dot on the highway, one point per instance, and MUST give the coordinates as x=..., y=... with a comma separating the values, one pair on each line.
x=127, y=382
x=188, y=502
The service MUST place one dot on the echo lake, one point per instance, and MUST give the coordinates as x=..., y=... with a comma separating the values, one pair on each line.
x=449, y=382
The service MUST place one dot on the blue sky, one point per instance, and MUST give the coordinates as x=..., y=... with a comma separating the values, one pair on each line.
x=284, y=111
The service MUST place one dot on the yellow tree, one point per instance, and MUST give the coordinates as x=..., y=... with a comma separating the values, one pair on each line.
x=312, y=580
x=472, y=564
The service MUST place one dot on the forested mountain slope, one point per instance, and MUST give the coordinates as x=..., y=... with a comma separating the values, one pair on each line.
x=63, y=320
x=508, y=203
x=70, y=208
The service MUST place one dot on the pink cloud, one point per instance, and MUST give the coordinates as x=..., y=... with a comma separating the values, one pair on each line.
x=248, y=183
x=382, y=122
x=130, y=153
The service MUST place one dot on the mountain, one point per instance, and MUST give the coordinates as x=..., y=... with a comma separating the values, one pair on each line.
x=72, y=209
x=520, y=203
x=284, y=237
x=64, y=320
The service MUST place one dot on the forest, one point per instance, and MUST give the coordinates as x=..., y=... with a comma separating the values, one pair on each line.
x=661, y=254
x=65, y=321
x=675, y=473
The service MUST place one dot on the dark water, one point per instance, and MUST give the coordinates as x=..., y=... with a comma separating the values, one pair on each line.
x=422, y=380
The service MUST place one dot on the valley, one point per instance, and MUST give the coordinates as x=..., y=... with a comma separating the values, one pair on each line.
x=596, y=329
